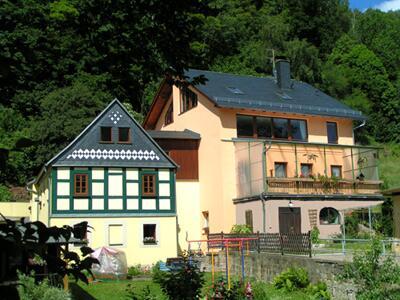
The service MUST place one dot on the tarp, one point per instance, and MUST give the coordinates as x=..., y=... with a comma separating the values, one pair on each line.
x=113, y=263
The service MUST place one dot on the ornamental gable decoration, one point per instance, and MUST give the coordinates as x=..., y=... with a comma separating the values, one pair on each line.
x=113, y=139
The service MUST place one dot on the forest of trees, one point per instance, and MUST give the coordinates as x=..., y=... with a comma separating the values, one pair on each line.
x=62, y=61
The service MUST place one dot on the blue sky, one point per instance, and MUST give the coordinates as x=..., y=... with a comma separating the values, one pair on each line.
x=384, y=5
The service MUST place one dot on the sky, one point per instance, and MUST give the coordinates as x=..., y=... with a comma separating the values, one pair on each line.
x=384, y=5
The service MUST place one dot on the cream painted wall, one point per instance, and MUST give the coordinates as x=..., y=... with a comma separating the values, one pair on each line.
x=40, y=209
x=190, y=219
x=132, y=236
x=15, y=209
x=272, y=213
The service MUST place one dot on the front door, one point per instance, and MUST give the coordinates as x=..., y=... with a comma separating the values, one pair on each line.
x=289, y=220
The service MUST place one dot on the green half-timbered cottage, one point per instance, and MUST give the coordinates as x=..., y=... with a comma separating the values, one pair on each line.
x=116, y=177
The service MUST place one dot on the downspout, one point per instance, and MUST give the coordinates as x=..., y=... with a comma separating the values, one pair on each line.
x=265, y=186
x=358, y=127
x=35, y=199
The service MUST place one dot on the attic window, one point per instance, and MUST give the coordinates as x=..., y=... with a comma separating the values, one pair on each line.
x=105, y=135
x=124, y=135
x=235, y=90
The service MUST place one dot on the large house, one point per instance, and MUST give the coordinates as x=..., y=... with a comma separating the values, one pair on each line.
x=115, y=177
x=271, y=152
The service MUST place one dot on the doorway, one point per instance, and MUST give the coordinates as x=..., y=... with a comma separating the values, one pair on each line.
x=289, y=220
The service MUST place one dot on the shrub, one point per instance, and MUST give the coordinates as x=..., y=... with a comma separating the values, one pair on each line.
x=260, y=290
x=183, y=284
x=319, y=291
x=135, y=270
x=28, y=290
x=314, y=235
x=220, y=290
x=241, y=229
x=377, y=277
x=5, y=194
x=292, y=279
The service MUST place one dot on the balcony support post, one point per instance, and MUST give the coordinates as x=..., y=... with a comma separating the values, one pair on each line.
x=352, y=163
x=295, y=161
x=325, y=167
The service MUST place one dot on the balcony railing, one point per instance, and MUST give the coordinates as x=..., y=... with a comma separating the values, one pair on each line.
x=257, y=172
x=320, y=187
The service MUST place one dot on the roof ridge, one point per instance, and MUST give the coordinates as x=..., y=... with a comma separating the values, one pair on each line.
x=232, y=74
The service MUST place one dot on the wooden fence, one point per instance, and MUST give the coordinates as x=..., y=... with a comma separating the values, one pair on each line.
x=297, y=243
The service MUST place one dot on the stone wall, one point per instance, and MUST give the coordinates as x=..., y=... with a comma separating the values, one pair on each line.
x=265, y=266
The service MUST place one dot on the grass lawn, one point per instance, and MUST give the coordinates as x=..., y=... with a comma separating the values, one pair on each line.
x=110, y=290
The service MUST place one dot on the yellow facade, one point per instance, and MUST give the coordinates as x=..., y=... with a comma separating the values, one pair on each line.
x=125, y=233
x=15, y=209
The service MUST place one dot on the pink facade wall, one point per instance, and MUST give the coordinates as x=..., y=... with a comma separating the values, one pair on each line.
x=272, y=213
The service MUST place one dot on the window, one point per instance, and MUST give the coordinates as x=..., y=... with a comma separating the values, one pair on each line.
x=280, y=127
x=265, y=127
x=280, y=170
x=169, y=115
x=124, y=135
x=149, y=234
x=106, y=134
x=329, y=215
x=336, y=171
x=115, y=235
x=332, y=132
x=81, y=185
x=149, y=185
x=188, y=99
x=244, y=126
x=306, y=170
x=298, y=130
x=249, y=219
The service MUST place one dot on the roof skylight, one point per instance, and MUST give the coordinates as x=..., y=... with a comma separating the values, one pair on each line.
x=235, y=90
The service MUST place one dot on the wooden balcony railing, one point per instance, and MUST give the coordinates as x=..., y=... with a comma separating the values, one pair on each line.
x=319, y=187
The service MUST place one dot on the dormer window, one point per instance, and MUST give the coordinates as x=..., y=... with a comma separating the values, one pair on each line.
x=124, y=135
x=105, y=135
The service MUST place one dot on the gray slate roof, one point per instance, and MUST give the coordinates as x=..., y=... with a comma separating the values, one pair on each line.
x=87, y=150
x=263, y=93
x=169, y=134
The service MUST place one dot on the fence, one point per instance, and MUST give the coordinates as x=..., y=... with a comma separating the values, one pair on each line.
x=296, y=243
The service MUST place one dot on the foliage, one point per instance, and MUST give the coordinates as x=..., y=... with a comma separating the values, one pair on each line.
x=144, y=294
x=378, y=277
x=241, y=229
x=21, y=239
x=183, y=284
x=138, y=270
x=319, y=291
x=329, y=184
x=314, y=234
x=292, y=279
x=5, y=194
x=220, y=290
x=29, y=290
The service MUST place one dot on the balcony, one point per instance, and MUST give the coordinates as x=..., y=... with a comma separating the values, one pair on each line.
x=287, y=167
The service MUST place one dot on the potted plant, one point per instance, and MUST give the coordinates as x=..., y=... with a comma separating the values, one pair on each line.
x=149, y=240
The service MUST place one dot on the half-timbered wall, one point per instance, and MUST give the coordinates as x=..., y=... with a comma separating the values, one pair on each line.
x=113, y=190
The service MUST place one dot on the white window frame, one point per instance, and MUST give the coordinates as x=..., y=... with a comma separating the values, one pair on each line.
x=124, y=233
x=150, y=222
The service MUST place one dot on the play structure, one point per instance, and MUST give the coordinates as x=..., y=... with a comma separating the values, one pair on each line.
x=216, y=245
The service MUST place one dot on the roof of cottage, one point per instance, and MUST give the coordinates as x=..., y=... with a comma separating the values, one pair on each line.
x=87, y=149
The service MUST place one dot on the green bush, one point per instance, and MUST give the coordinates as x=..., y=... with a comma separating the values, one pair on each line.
x=314, y=235
x=292, y=279
x=260, y=290
x=319, y=291
x=135, y=270
x=5, y=194
x=184, y=284
x=220, y=290
x=241, y=229
x=28, y=290
x=378, y=278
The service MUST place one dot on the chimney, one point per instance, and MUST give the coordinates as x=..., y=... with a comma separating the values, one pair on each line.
x=283, y=74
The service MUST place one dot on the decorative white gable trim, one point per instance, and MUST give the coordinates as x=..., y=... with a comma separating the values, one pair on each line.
x=115, y=116
x=113, y=154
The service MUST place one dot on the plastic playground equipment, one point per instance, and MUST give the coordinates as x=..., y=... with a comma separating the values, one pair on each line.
x=216, y=245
